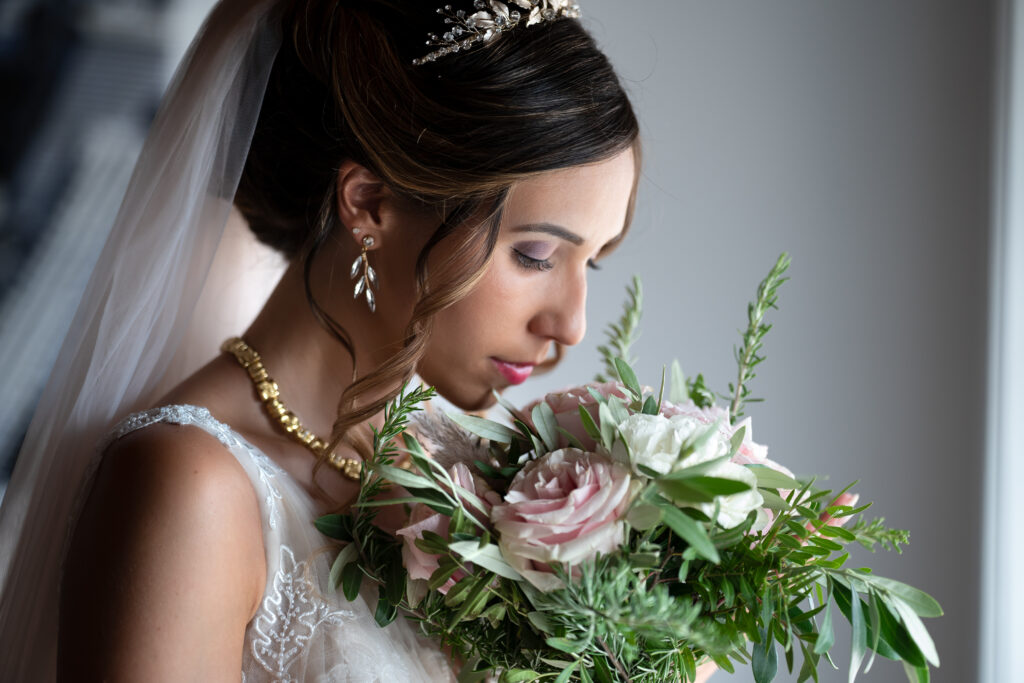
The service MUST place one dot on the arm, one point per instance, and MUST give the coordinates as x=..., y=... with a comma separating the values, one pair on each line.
x=166, y=565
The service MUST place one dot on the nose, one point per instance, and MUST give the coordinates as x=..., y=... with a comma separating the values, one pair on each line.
x=563, y=313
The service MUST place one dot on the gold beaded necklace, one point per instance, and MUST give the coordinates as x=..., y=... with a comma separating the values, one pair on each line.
x=270, y=395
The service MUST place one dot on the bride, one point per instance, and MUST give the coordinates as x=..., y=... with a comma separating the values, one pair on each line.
x=459, y=168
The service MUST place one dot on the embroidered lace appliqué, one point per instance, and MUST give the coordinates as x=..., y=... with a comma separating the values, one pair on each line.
x=196, y=415
x=290, y=615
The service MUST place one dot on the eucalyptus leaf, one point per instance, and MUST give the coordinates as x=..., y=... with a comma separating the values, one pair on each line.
x=488, y=429
x=405, y=478
x=923, y=604
x=858, y=635
x=765, y=661
x=608, y=425
x=568, y=671
x=351, y=580
x=628, y=377
x=691, y=532
x=518, y=676
x=489, y=557
x=593, y=431
x=826, y=634
x=643, y=516
x=385, y=612
x=348, y=554
x=772, y=479
x=546, y=425
x=917, y=631
x=335, y=526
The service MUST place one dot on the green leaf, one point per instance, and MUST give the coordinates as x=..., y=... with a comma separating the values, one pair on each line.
x=444, y=571
x=691, y=532
x=826, y=634
x=351, y=580
x=546, y=424
x=686, y=657
x=608, y=425
x=566, y=645
x=650, y=406
x=894, y=641
x=335, y=526
x=405, y=478
x=677, y=387
x=643, y=516
x=765, y=661
x=518, y=676
x=917, y=631
x=541, y=622
x=347, y=554
x=618, y=408
x=772, y=479
x=628, y=377
x=923, y=604
x=773, y=501
x=488, y=429
x=567, y=671
x=385, y=612
x=858, y=635
x=916, y=674
x=489, y=557
x=474, y=601
x=593, y=431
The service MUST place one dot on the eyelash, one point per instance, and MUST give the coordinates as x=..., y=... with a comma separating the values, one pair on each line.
x=544, y=265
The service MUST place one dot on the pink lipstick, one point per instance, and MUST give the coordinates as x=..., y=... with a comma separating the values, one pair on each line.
x=515, y=373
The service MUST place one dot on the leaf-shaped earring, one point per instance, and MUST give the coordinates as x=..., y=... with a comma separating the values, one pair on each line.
x=367, y=281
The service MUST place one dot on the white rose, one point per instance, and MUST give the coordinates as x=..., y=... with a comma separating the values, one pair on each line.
x=733, y=509
x=654, y=441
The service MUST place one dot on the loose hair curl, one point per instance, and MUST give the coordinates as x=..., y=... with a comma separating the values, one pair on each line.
x=452, y=135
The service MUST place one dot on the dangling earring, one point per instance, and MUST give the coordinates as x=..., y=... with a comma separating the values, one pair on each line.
x=368, y=280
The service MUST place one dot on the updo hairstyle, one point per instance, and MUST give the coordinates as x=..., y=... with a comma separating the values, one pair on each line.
x=452, y=136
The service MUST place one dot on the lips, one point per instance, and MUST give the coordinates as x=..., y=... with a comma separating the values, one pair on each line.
x=515, y=373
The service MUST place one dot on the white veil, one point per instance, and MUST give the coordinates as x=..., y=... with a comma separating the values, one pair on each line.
x=139, y=319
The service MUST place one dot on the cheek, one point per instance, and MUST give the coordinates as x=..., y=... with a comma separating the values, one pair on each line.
x=491, y=311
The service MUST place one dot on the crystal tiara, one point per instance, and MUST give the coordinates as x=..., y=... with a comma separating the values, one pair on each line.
x=492, y=18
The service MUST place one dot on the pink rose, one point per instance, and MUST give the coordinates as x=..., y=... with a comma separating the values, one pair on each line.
x=564, y=507
x=421, y=564
x=566, y=406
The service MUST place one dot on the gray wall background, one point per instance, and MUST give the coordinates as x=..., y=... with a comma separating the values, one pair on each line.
x=857, y=137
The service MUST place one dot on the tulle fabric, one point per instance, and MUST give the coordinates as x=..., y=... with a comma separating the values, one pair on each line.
x=157, y=302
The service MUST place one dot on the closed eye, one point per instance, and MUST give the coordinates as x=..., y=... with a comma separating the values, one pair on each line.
x=531, y=263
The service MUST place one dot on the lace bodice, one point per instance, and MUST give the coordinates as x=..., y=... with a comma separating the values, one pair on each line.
x=302, y=631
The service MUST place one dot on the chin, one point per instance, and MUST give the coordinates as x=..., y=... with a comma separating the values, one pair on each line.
x=467, y=398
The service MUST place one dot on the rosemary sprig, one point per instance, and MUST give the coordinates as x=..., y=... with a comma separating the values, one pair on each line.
x=748, y=356
x=622, y=334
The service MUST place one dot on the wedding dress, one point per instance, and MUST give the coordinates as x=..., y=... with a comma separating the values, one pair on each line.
x=303, y=631
x=166, y=289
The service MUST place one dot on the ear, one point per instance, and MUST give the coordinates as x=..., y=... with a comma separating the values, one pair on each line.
x=360, y=199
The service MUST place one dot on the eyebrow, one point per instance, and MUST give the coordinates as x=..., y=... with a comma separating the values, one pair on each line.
x=550, y=229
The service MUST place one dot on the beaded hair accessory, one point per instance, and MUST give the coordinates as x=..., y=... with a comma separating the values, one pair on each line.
x=492, y=18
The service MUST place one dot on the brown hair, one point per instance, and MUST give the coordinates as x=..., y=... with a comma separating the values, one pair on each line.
x=453, y=135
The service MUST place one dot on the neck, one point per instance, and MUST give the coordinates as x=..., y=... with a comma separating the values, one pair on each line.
x=312, y=368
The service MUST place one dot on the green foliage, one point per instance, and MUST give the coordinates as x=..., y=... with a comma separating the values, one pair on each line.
x=622, y=334
x=680, y=591
x=748, y=355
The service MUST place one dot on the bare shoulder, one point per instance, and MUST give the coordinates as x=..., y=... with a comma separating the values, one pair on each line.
x=166, y=564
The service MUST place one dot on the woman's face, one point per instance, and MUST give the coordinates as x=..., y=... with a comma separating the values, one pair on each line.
x=533, y=292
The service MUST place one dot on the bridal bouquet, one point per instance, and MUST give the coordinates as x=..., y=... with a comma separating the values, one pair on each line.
x=618, y=533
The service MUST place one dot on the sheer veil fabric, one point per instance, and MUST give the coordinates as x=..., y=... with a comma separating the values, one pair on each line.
x=144, y=313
